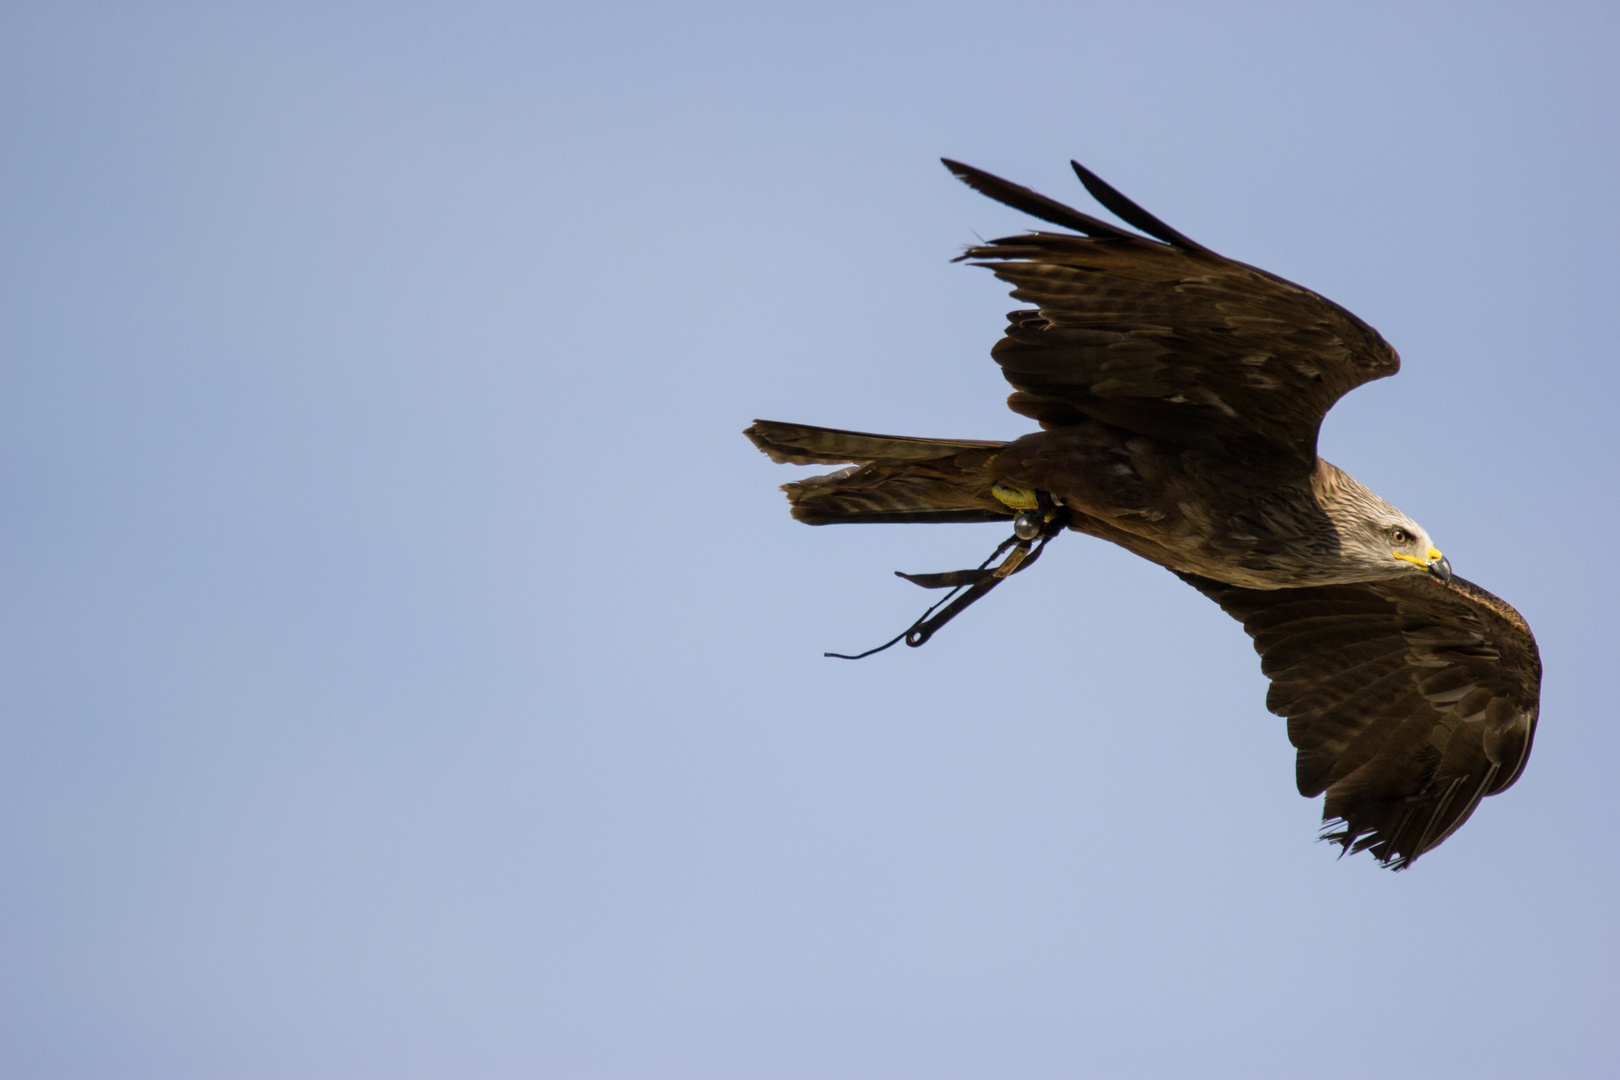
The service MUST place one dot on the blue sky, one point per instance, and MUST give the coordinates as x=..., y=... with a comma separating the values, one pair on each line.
x=410, y=671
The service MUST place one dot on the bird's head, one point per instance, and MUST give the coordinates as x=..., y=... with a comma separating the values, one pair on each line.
x=1410, y=544
x=1379, y=540
x=1388, y=544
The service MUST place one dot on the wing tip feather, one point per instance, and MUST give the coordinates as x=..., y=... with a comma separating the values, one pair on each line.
x=1130, y=213
x=1034, y=203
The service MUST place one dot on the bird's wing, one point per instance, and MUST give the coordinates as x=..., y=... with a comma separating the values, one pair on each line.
x=1166, y=338
x=1409, y=700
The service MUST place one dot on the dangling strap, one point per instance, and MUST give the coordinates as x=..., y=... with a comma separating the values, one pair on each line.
x=977, y=583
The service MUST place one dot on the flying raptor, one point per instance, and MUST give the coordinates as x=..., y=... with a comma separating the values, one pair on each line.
x=1179, y=395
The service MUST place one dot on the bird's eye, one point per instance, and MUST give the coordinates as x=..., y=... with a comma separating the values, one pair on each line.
x=1400, y=536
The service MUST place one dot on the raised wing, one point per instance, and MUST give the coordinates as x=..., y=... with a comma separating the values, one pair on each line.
x=1166, y=338
x=1409, y=701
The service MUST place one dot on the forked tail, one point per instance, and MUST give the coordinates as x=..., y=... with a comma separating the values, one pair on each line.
x=892, y=478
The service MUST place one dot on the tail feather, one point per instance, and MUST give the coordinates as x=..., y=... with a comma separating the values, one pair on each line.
x=893, y=478
x=801, y=444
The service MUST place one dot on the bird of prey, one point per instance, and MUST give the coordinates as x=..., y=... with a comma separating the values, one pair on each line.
x=1179, y=395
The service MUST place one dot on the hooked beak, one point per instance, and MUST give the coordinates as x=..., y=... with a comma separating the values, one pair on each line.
x=1436, y=564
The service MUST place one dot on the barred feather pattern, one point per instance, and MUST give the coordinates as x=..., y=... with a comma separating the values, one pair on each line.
x=892, y=479
x=1408, y=701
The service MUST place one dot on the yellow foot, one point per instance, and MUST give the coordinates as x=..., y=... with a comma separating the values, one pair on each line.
x=1017, y=498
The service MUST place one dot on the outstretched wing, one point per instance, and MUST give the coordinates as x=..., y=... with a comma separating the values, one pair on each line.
x=1166, y=338
x=1409, y=700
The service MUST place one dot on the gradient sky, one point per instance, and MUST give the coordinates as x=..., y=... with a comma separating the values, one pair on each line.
x=408, y=670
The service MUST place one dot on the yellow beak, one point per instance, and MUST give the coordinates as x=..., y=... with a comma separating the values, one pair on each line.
x=1436, y=564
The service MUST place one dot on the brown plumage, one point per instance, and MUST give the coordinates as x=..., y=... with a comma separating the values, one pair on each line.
x=1179, y=395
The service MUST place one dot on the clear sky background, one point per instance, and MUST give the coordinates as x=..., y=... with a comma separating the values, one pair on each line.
x=410, y=671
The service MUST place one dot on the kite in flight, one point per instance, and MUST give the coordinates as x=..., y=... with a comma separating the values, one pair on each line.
x=1179, y=395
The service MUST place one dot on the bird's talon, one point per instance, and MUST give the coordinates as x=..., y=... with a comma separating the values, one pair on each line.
x=1017, y=498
